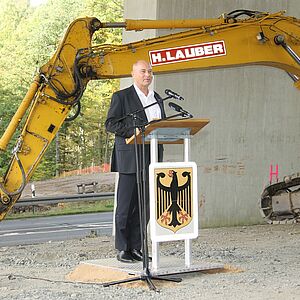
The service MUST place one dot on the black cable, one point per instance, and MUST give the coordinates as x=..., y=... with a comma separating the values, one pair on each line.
x=78, y=90
x=239, y=12
x=22, y=186
x=78, y=109
x=62, y=97
x=14, y=276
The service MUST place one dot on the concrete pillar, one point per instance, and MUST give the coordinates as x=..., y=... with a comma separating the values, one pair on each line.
x=254, y=113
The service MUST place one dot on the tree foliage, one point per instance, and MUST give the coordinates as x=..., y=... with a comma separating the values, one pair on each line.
x=29, y=37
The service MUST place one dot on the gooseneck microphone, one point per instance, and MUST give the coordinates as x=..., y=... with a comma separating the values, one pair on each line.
x=173, y=95
x=180, y=109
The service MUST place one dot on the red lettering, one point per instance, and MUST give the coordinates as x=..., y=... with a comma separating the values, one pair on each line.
x=272, y=173
x=185, y=53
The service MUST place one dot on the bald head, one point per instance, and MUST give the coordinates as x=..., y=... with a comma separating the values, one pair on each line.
x=140, y=64
x=142, y=75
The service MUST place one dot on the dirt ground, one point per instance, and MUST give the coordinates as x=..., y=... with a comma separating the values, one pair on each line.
x=68, y=185
x=262, y=262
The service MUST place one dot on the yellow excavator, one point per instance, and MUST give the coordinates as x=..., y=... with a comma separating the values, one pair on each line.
x=241, y=37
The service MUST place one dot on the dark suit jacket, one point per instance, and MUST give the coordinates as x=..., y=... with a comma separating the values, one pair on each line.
x=125, y=102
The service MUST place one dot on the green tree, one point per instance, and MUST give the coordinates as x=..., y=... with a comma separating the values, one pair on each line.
x=28, y=38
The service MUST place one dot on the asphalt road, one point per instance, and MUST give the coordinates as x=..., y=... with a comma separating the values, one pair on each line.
x=58, y=228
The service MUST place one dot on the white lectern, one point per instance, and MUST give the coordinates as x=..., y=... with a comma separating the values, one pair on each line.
x=172, y=186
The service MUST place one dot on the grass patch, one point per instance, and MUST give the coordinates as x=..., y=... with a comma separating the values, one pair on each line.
x=67, y=208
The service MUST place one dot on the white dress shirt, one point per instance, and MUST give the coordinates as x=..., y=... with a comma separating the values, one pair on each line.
x=152, y=112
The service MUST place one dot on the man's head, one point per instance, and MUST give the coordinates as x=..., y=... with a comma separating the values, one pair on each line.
x=142, y=74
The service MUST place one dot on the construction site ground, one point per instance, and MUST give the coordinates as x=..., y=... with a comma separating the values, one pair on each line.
x=260, y=262
x=68, y=185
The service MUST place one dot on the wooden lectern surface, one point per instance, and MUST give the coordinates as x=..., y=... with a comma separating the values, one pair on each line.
x=194, y=125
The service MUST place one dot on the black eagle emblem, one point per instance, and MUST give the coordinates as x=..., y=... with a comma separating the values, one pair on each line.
x=174, y=202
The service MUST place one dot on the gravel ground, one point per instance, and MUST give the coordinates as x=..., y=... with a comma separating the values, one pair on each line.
x=268, y=256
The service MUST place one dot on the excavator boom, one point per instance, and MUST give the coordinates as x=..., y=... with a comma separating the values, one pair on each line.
x=229, y=43
x=239, y=38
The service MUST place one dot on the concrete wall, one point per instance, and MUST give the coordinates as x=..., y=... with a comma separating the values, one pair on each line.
x=254, y=113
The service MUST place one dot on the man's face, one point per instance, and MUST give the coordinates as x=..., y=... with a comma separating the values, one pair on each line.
x=142, y=74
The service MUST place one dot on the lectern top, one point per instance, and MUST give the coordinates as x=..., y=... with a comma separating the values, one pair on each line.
x=166, y=133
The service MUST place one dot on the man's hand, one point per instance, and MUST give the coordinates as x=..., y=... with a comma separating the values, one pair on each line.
x=128, y=140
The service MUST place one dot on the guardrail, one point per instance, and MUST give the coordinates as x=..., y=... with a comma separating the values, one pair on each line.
x=64, y=198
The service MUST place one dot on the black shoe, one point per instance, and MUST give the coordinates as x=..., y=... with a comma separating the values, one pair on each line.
x=125, y=256
x=136, y=254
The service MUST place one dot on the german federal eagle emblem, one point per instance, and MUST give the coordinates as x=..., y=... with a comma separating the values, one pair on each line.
x=173, y=198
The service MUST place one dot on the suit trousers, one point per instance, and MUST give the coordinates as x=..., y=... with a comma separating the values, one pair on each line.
x=127, y=220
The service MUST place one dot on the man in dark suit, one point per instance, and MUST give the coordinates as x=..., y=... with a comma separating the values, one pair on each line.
x=127, y=222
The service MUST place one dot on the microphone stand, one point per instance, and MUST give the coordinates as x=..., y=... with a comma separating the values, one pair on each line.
x=141, y=187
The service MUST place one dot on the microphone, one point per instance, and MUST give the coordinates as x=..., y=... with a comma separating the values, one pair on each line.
x=180, y=109
x=173, y=95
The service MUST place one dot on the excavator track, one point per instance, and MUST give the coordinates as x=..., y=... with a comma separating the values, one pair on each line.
x=280, y=202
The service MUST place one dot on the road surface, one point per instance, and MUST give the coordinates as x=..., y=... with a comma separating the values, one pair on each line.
x=57, y=228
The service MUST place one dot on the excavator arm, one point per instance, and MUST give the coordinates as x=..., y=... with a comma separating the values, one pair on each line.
x=229, y=43
x=56, y=89
x=240, y=38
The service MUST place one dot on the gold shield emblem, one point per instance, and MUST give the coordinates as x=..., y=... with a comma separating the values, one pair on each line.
x=173, y=197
